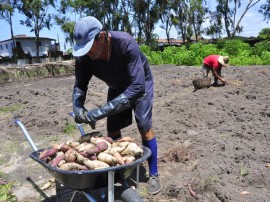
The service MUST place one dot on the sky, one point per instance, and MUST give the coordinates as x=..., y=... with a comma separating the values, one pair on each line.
x=253, y=23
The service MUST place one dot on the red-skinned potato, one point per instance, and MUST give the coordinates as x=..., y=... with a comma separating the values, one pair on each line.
x=59, y=157
x=100, y=147
x=47, y=153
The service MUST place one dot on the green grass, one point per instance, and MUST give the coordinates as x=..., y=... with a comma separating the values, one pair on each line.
x=11, y=108
x=11, y=147
x=70, y=128
x=6, y=192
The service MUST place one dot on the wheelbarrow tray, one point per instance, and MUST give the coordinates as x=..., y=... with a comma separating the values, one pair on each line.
x=90, y=179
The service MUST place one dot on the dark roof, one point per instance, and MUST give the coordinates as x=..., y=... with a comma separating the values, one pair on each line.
x=24, y=37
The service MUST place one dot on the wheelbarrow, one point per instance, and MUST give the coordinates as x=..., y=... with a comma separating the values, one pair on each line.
x=84, y=180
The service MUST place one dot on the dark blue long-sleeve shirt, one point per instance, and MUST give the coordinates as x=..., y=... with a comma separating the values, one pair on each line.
x=127, y=71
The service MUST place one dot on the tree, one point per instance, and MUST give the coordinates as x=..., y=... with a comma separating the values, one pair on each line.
x=264, y=34
x=6, y=13
x=37, y=17
x=139, y=17
x=265, y=10
x=167, y=17
x=197, y=16
x=151, y=12
x=181, y=9
x=215, y=27
x=232, y=25
x=67, y=27
x=113, y=14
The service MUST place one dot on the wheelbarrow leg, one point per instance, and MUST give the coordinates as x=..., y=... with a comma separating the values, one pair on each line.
x=58, y=191
x=137, y=175
x=111, y=186
x=73, y=196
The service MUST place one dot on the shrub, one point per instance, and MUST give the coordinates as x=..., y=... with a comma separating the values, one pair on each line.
x=186, y=58
x=168, y=54
x=265, y=57
x=234, y=47
x=155, y=58
x=260, y=47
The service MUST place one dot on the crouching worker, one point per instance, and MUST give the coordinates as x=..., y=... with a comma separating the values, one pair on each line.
x=214, y=63
x=115, y=58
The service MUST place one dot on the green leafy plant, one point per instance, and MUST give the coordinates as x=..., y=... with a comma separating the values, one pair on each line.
x=260, y=47
x=6, y=192
x=244, y=171
x=240, y=53
x=210, y=180
x=234, y=47
x=70, y=128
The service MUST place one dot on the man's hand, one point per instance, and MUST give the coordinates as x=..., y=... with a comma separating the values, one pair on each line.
x=223, y=81
x=81, y=117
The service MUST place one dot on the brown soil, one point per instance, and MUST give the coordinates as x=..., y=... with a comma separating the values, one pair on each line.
x=215, y=141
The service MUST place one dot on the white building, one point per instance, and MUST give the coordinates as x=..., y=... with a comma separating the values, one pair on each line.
x=26, y=45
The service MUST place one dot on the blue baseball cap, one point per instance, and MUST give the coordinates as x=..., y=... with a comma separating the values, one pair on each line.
x=85, y=31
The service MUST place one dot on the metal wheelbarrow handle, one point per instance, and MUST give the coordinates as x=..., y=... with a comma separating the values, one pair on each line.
x=78, y=125
x=31, y=142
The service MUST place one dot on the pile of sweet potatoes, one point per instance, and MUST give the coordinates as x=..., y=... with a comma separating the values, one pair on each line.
x=91, y=153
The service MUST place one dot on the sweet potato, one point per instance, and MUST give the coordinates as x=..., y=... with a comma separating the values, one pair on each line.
x=47, y=153
x=73, y=144
x=61, y=147
x=91, y=157
x=126, y=139
x=100, y=147
x=128, y=159
x=62, y=162
x=64, y=147
x=107, y=158
x=80, y=158
x=120, y=144
x=109, y=139
x=96, y=164
x=132, y=149
x=85, y=146
x=70, y=155
x=73, y=166
x=115, y=149
x=97, y=140
x=119, y=158
x=59, y=157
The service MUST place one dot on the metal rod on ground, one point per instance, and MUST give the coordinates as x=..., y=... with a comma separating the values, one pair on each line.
x=26, y=134
x=78, y=125
x=111, y=186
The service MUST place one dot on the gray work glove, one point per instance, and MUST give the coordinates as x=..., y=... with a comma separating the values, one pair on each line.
x=112, y=107
x=80, y=112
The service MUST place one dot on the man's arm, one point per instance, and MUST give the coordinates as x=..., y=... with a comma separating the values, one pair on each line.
x=214, y=72
x=79, y=92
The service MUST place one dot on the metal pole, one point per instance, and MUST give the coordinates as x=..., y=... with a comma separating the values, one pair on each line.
x=73, y=196
x=26, y=135
x=111, y=186
x=78, y=125
x=137, y=175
